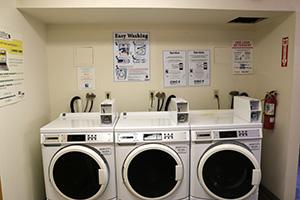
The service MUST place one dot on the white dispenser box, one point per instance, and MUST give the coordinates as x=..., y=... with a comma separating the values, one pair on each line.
x=247, y=108
x=180, y=110
x=108, y=111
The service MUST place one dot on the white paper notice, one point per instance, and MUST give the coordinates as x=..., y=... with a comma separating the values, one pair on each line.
x=86, y=78
x=242, y=53
x=174, y=68
x=199, y=67
x=131, y=56
x=11, y=68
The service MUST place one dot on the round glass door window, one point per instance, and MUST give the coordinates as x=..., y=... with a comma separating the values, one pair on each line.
x=229, y=173
x=76, y=175
x=152, y=173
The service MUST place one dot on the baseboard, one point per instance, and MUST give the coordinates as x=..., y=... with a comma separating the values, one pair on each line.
x=266, y=194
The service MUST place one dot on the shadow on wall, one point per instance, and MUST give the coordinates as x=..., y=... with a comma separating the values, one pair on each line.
x=298, y=179
x=1, y=198
x=33, y=148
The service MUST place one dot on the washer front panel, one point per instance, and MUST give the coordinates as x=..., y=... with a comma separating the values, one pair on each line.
x=229, y=171
x=79, y=172
x=152, y=171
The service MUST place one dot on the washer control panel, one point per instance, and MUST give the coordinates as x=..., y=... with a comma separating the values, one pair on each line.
x=229, y=134
x=237, y=134
x=63, y=138
x=152, y=137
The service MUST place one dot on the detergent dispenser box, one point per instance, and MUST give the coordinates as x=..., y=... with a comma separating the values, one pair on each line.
x=180, y=110
x=108, y=111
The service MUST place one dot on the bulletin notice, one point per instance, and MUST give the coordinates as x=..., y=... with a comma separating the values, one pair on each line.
x=11, y=68
x=131, y=56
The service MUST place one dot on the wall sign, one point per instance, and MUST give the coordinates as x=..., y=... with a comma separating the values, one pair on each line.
x=131, y=56
x=175, y=73
x=11, y=68
x=199, y=67
x=284, y=52
x=86, y=78
x=242, y=53
x=182, y=68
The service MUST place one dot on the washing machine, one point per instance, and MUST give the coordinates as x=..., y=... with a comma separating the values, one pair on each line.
x=225, y=156
x=152, y=157
x=78, y=158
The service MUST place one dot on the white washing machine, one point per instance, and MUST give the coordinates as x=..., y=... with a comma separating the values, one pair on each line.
x=78, y=158
x=225, y=156
x=152, y=157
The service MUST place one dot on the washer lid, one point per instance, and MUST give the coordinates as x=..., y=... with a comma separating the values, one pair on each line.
x=218, y=119
x=78, y=172
x=152, y=171
x=229, y=171
x=148, y=121
x=76, y=122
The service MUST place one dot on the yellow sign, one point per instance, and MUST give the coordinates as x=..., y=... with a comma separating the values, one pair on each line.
x=11, y=68
x=12, y=46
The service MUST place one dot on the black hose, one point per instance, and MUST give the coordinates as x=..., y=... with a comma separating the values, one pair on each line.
x=162, y=104
x=86, y=105
x=169, y=101
x=92, y=104
x=218, y=99
x=72, y=103
x=163, y=96
x=158, y=103
x=245, y=94
x=233, y=94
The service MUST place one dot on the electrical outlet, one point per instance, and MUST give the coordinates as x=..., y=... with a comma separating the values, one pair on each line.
x=216, y=92
x=107, y=94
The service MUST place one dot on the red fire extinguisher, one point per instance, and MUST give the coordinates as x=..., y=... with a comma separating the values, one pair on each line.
x=270, y=109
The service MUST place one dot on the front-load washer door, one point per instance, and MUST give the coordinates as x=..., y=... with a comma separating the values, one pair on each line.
x=152, y=171
x=79, y=172
x=229, y=171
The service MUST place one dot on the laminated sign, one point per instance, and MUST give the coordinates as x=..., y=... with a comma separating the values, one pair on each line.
x=242, y=53
x=131, y=56
x=175, y=71
x=11, y=68
x=186, y=68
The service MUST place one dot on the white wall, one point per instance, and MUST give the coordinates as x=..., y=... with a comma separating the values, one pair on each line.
x=294, y=136
x=135, y=96
x=268, y=76
x=280, y=147
x=271, y=76
x=20, y=154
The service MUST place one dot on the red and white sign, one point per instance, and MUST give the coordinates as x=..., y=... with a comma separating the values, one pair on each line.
x=242, y=53
x=285, y=52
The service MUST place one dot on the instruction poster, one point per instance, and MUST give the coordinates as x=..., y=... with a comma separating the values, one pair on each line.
x=174, y=68
x=199, y=67
x=11, y=68
x=131, y=56
x=242, y=53
x=182, y=68
x=86, y=78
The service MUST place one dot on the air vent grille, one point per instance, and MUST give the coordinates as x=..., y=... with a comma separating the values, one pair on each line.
x=247, y=20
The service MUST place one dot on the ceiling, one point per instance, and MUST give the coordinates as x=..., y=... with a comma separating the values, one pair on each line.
x=143, y=15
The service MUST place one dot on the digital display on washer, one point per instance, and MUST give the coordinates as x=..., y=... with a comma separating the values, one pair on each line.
x=152, y=136
x=76, y=138
x=228, y=134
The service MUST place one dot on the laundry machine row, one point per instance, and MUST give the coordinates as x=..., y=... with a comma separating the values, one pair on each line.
x=148, y=156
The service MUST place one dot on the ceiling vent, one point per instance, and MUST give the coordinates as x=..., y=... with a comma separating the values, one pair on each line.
x=247, y=20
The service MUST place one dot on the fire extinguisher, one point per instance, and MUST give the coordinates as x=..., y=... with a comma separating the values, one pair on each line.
x=270, y=109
